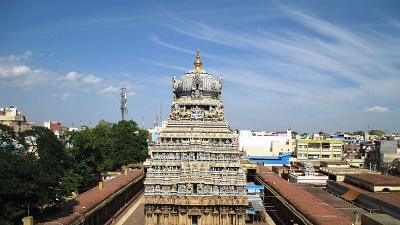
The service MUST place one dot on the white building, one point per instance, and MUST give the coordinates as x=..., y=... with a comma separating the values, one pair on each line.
x=264, y=143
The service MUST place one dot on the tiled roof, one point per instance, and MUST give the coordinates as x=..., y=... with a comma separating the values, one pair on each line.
x=376, y=179
x=314, y=209
x=391, y=198
x=89, y=199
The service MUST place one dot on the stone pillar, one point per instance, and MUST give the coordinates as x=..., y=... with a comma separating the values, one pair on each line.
x=166, y=219
x=27, y=220
x=148, y=219
x=215, y=218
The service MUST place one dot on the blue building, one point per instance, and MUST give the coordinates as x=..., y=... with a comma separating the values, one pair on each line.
x=281, y=159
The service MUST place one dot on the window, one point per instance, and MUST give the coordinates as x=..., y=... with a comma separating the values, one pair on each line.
x=194, y=220
x=313, y=146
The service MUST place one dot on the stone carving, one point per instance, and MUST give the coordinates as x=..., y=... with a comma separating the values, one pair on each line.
x=175, y=112
x=197, y=113
x=220, y=113
x=195, y=165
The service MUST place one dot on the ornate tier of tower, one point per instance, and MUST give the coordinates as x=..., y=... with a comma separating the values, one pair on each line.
x=195, y=177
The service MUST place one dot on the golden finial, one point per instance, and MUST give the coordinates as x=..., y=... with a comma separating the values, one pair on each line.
x=198, y=62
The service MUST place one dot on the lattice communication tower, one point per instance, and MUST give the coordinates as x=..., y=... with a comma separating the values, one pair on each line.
x=123, y=104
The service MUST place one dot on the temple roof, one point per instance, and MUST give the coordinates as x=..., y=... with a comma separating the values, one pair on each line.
x=197, y=80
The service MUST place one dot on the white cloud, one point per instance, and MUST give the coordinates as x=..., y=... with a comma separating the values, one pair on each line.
x=14, y=73
x=71, y=76
x=21, y=70
x=66, y=95
x=379, y=109
x=8, y=71
x=91, y=79
x=13, y=58
x=79, y=81
x=110, y=90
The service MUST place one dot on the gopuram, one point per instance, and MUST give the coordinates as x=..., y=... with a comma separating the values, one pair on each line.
x=195, y=176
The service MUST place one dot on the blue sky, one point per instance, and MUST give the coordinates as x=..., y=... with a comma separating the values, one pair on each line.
x=309, y=65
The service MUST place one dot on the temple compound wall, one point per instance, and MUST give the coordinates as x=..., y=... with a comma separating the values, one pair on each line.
x=100, y=205
x=195, y=176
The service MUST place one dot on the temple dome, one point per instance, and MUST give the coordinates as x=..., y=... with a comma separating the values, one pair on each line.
x=197, y=81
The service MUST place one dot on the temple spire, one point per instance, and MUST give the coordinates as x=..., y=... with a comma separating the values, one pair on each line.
x=197, y=63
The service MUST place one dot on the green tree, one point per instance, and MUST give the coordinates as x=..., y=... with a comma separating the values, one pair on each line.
x=12, y=194
x=34, y=170
x=130, y=143
x=105, y=145
x=361, y=133
x=83, y=148
x=47, y=162
x=377, y=132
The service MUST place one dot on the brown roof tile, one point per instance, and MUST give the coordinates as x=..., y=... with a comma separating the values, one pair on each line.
x=390, y=198
x=313, y=208
x=376, y=179
x=89, y=199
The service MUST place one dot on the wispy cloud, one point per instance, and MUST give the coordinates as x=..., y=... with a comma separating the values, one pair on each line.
x=75, y=79
x=332, y=58
x=109, y=89
x=91, y=79
x=280, y=61
x=14, y=72
x=162, y=64
x=13, y=58
x=66, y=95
x=378, y=109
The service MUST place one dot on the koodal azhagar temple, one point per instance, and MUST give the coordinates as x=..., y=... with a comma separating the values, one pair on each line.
x=195, y=177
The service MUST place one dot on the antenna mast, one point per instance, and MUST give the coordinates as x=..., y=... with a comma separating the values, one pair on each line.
x=123, y=104
x=161, y=110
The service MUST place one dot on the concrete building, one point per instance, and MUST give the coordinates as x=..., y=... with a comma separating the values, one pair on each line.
x=308, y=176
x=318, y=150
x=15, y=119
x=264, y=143
x=381, y=155
x=195, y=176
x=55, y=127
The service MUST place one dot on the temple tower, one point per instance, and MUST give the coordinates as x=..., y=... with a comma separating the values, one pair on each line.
x=195, y=176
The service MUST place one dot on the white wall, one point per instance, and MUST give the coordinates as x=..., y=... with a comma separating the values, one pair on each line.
x=264, y=143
